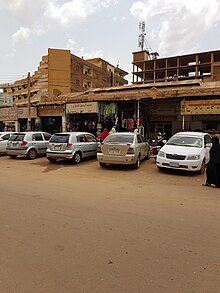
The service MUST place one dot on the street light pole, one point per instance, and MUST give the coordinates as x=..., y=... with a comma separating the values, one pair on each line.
x=29, y=104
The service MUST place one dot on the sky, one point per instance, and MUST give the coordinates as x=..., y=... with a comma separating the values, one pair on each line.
x=102, y=28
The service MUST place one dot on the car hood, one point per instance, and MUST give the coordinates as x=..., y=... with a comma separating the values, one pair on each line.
x=181, y=150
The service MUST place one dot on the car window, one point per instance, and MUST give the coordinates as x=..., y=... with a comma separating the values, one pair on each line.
x=90, y=138
x=60, y=138
x=119, y=138
x=188, y=141
x=81, y=138
x=37, y=137
x=17, y=137
x=47, y=136
x=139, y=138
x=208, y=139
x=6, y=136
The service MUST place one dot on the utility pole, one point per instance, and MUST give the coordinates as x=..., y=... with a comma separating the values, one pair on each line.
x=29, y=103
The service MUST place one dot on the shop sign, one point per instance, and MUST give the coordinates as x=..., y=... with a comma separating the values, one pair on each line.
x=205, y=118
x=6, y=100
x=200, y=107
x=89, y=107
x=8, y=114
x=23, y=112
x=52, y=110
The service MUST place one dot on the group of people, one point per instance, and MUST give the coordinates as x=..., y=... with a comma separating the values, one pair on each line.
x=213, y=168
x=105, y=133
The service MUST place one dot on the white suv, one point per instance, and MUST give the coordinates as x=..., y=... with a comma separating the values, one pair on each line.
x=29, y=144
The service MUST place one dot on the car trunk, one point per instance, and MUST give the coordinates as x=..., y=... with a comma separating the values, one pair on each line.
x=59, y=142
x=116, y=149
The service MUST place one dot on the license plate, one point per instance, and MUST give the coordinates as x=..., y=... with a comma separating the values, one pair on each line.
x=113, y=151
x=57, y=148
x=174, y=164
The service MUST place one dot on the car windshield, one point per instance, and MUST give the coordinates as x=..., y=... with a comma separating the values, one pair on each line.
x=119, y=138
x=60, y=138
x=185, y=141
x=17, y=137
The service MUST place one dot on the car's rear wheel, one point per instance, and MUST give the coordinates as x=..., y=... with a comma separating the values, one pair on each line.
x=147, y=156
x=138, y=163
x=203, y=167
x=52, y=160
x=12, y=156
x=32, y=154
x=77, y=158
x=102, y=165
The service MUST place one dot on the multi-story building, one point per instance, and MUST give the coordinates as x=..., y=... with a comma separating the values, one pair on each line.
x=147, y=68
x=62, y=72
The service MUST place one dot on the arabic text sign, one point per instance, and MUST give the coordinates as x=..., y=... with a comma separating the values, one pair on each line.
x=200, y=107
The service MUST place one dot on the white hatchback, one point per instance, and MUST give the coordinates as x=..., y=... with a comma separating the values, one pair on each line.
x=185, y=151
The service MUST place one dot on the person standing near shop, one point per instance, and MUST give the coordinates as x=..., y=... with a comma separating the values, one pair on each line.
x=213, y=168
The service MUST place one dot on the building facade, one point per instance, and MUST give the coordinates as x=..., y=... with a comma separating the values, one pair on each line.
x=147, y=68
x=189, y=100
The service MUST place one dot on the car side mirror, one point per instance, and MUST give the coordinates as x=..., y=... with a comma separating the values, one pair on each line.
x=208, y=145
x=164, y=141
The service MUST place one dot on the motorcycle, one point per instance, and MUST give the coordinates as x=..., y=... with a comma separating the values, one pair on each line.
x=156, y=145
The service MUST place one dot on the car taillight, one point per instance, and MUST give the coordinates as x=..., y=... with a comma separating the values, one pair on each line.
x=99, y=149
x=130, y=151
x=69, y=144
x=24, y=143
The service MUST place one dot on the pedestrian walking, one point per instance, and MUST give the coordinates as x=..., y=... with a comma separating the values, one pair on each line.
x=213, y=168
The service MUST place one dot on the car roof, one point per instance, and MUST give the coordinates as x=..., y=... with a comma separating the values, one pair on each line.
x=122, y=133
x=191, y=133
x=73, y=132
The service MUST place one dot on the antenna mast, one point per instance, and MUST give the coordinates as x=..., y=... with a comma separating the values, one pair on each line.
x=142, y=35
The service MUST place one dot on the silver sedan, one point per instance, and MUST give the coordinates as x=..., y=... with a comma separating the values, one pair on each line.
x=123, y=148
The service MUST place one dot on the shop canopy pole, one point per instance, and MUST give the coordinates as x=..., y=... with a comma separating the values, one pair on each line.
x=183, y=120
x=138, y=113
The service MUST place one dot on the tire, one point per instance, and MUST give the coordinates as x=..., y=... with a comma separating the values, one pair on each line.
x=52, y=160
x=160, y=168
x=148, y=156
x=138, y=163
x=203, y=167
x=102, y=165
x=32, y=153
x=77, y=158
x=12, y=156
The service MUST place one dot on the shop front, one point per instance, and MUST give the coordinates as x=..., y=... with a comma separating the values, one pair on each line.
x=22, y=116
x=51, y=118
x=82, y=117
x=204, y=115
x=8, y=119
x=163, y=117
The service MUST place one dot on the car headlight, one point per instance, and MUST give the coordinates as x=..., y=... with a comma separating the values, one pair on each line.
x=161, y=154
x=193, y=157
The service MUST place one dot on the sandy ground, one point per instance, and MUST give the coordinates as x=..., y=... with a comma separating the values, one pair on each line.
x=84, y=229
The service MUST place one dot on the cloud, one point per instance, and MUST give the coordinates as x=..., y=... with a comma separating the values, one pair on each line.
x=21, y=36
x=70, y=45
x=89, y=55
x=178, y=25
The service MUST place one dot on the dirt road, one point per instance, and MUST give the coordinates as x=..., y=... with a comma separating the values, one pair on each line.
x=83, y=229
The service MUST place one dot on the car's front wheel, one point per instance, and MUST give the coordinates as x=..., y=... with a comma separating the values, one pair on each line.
x=203, y=167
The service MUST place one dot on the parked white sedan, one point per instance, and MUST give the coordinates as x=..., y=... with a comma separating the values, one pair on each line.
x=186, y=151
